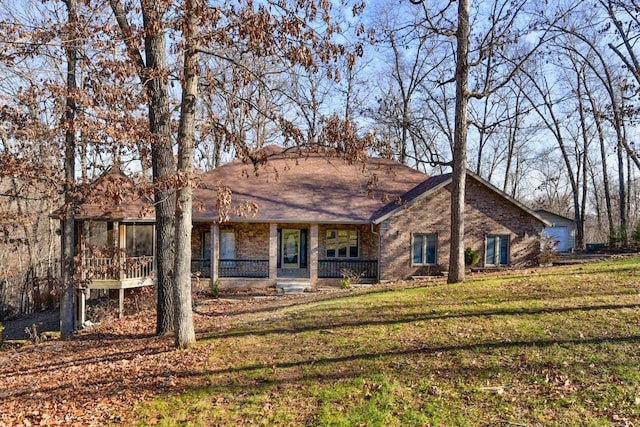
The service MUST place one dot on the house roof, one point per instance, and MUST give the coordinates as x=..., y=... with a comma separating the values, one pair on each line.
x=308, y=188
x=433, y=184
x=114, y=195
x=288, y=187
x=550, y=214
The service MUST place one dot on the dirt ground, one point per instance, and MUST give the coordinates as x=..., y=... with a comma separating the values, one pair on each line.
x=44, y=321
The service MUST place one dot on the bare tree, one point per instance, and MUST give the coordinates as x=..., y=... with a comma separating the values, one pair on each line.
x=547, y=112
x=184, y=332
x=614, y=88
x=496, y=37
x=623, y=14
x=412, y=60
x=67, y=312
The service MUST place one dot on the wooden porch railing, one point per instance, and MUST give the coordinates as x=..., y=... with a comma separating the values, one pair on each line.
x=110, y=268
x=338, y=268
x=138, y=267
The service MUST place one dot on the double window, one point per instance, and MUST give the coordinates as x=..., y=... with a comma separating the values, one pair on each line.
x=342, y=243
x=424, y=249
x=497, y=251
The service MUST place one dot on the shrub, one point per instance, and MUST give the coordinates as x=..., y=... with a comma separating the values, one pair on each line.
x=215, y=289
x=350, y=277
x=345, y=283
x=471, y=257
x=548, y=249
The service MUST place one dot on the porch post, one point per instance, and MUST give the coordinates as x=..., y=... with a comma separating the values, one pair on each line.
x=82, y=307
x=122, y=245
x=273, y=252
x=120, y=303
x=313, y=255
x=215, y=251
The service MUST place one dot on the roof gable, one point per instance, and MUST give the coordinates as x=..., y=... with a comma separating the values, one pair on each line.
x=435, y=183
x=113, y=195
x=551, y=216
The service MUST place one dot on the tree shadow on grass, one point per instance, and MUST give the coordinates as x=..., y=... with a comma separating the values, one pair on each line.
x=264, y=330
x=439, y=351
x=254, y=379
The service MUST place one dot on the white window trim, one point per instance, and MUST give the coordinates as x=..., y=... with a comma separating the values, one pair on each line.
x=326, y=249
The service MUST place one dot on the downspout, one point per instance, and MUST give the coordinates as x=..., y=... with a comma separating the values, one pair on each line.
x=379, y=247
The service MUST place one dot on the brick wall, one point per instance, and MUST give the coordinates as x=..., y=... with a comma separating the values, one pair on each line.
x=485, y=213
x=252, y=240
x=368, y=241
x=196, y=239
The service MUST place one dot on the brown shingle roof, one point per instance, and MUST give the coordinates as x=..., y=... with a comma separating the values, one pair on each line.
x=312, y=188
x=113, y=195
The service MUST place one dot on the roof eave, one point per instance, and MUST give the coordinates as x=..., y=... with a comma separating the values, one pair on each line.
x=282, y=221
x=409, y=203
x=482, y=181
x=508, y=197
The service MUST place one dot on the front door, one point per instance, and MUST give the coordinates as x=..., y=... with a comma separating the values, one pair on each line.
x=290, y=250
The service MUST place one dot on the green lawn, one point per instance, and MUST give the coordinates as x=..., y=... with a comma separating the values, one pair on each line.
x=558, y=346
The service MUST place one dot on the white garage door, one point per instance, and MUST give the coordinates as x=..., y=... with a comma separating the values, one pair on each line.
x=559, y=235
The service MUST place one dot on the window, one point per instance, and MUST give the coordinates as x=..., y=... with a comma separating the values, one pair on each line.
x=424, y=249
x=227, y=245
x=99, y=233
x=206, y=244
x=139, y=239
x=342, y=244
x=497, y=252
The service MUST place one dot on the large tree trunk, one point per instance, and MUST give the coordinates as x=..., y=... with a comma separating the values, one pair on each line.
x=456, y=257
x=67, y=311
x=154, y=76
x=184, y=331
x=163, y=162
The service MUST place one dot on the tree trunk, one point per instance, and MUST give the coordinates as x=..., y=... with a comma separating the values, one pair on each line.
x=163, y=162
x=511, y=148
x=579, y=244
x=622, y=196
x=603, y=155
x=184, y=331
x=154, y=76
x=456, y=257
x=67, y=311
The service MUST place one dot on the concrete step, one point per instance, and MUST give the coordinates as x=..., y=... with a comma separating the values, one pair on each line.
x=290, y=286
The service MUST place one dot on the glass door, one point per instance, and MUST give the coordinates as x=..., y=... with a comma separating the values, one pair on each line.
x=290, y=248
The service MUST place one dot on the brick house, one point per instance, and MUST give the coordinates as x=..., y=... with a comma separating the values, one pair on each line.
x=310, y=220
x=319, y=219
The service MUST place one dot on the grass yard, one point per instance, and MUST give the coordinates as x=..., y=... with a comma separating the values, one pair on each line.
x=546, y=347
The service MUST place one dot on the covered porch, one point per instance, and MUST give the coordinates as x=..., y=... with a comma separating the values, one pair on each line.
x=259, y=255
x=114, y=255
